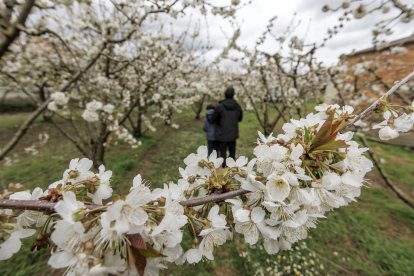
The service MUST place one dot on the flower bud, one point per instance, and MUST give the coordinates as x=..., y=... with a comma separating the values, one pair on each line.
x=79, y=215
x=73, y=174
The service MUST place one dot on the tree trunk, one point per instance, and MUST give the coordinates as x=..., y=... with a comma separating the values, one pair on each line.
x=98, y=148
x=137, y=131
x=199, y=108
x=47, y=115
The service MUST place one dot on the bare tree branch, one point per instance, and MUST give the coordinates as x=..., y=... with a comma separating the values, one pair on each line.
x=34, y=205
x=387, y=181
x=13, y=31
x=377, y=103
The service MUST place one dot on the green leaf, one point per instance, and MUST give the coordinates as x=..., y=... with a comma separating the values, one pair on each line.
x=307, y=135
x=150, y=252
x=333, y=145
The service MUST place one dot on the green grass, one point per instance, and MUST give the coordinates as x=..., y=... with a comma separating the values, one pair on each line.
x=397, y=162
x=373, y=236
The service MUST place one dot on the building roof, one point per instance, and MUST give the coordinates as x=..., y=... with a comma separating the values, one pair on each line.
x=397, y=42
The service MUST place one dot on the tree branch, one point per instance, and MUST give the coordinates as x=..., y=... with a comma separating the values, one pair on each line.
x=377, y=103
x=384, y=176
x=33, y=205
x=13, y=31
x=43, y=205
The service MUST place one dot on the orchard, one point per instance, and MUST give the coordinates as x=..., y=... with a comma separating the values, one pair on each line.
x=107, y=171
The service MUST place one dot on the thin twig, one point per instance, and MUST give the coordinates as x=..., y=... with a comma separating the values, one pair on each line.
x=377, y=103
x=383, y=175
x=33, y=205
x=213, y=198
x=43, y=205
x=13, y=31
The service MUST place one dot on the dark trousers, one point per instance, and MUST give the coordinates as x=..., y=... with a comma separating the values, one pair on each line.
x=222, y=150
x=211, y=145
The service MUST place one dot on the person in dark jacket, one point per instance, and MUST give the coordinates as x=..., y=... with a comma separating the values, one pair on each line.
x=209, y=127
x=227, y=115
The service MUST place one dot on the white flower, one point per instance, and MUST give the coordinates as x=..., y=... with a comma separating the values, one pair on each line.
x=331, y=181
x=193, y=255
x=127, y=216
x=113, y=264
x=90, y=116
x=404, y=123
x=352, y=179
x=169, y=229
x=257, y=189
x=296, y=154
x=216, y=235
x=193, y=162
x=68, y=207
x=153, y=267
x=108, y=108
x=263, y=139
x=239, y=163
x=271, y=246
x=249, y=223
x=104, y=190
x=277, y=188
x=388, y=133
x=267, y=153
x=77, y=262
x=324, y=107
x=94, y=106
x=12, y=245
x=68, y=235
x=52, y=106
x=59, y=98
x=29, y=218
x=81, y=169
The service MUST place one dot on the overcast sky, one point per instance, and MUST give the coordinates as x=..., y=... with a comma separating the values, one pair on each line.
x=253, y=19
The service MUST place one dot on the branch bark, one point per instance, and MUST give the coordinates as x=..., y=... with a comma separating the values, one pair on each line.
x=43, y=205
x=377, y=103
x=13, y=31
x=32, y=205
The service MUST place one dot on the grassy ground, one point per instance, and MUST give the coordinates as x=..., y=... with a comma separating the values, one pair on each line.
x=374, y=236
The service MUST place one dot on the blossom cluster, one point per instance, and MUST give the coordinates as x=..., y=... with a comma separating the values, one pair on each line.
x=397, y=119
x=295, y=178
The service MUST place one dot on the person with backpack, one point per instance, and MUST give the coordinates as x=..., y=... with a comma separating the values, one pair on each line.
x=209, y=127
x=227, y=116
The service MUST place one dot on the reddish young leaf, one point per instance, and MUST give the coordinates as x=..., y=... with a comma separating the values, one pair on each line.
x=137, y=241
x=333, y=145
x=136, y=260
x=324, y=133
